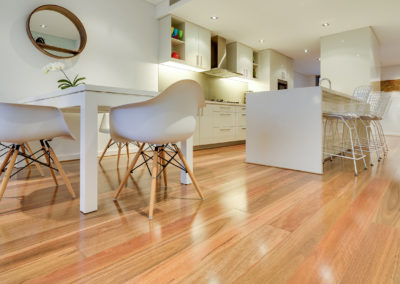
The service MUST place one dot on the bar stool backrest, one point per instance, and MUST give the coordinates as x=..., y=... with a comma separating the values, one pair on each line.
x=361, y=93
x=384, y=104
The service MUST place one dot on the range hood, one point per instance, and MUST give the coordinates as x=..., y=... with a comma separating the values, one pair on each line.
x=219, y=59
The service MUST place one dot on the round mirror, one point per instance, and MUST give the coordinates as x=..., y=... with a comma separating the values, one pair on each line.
x=56, y=31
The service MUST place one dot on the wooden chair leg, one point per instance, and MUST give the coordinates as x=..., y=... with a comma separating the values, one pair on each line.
x=196, y=185
x=39, y=168
x=105, y=150
x=26, y=159
x=5, y=161
x=62, y=173
x=163, y=162
x=131, y=167
x=127, y=150
x=48, y=161
x=153, y=183
x=8, y=172
x=119, y=153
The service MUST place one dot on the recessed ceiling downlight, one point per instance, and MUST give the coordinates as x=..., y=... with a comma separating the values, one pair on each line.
x=261, y=41
x=325, y=24
x=214, y=18
x=43, y=26
x=305, y=50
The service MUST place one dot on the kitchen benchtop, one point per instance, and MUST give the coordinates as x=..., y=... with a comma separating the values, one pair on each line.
x=224, y=103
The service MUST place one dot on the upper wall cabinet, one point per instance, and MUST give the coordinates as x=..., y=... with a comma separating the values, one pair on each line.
x=240, y=59
x=185, y=43
x=198, y=46
x=172, y=40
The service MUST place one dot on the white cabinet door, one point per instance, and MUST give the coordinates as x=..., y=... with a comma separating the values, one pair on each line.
x=198, y=46
x=196, y=136
x=206, y=126
x=191, y=44
x=204, y=41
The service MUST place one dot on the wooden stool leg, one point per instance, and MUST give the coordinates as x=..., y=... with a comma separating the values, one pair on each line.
x=105, y=150
x=119, y=153
x=6, y=159
x=196, y=185
x=26, y=159
x=163, y=162
x=39, y=168
x=48, y=161
x=131, y=167
x=153, y=183
x=62, y=173
x=127, y=150
x=8, y=172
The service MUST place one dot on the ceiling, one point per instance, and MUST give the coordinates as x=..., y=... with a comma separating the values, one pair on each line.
x=291, y=26
x=155, y=2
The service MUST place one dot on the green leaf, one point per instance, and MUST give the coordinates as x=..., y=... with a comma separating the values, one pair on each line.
x=65, y=87
x=73, y=82
x=64, y=81
x=79, y=79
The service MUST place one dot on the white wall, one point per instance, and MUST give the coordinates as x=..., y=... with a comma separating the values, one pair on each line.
x=350, y=59
x=303, y=81
x=390, y=72
x=121, y=51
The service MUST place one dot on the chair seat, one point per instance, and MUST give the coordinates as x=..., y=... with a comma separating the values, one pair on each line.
x=341, y=115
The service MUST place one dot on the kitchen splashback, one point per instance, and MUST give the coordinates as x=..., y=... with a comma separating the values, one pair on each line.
x=214, y=88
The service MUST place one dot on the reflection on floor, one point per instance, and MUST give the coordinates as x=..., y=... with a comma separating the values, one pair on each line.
x=257, y=225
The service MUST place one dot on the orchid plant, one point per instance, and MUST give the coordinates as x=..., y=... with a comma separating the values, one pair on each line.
x=63, y=83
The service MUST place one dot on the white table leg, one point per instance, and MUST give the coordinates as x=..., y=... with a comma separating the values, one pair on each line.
x=187, y=150
x=88, y=163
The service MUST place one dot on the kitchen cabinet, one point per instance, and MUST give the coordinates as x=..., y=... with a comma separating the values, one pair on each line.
x=220, y=123
x=198, y=46
x=240, y=59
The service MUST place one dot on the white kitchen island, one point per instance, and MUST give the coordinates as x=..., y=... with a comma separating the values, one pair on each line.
x=89, y=100
x=285, y=129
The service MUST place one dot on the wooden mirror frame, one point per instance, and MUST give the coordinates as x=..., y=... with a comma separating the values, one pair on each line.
x=71, y=16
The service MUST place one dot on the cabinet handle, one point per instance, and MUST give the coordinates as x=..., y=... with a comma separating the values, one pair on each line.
x=243, y=128
x=243, y=114
x=225, y=114
x=225, y=129
x=221, y=107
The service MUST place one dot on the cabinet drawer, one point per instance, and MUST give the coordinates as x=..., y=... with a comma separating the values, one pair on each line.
x=241, y=109
x=240, y=119
x=240, y=133
x=218, y=108
x=224, y=134
x=223, y=119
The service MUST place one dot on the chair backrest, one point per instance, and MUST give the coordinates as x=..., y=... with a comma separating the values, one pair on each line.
x=374, y=100
x=384, y=104
x=168, y=118
x=362, y=93
x=23, y=123
x=105, y=123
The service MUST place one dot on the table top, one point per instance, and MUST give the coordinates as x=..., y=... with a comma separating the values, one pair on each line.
x=92, y=89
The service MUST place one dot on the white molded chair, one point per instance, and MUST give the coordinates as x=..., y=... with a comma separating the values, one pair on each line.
x=105, y=129
x=160, y=122
x=20, y=124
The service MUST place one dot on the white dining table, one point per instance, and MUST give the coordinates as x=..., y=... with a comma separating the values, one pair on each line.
x=89, y=100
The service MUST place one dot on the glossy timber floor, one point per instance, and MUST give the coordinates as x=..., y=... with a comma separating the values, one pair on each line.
x=257, y=225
